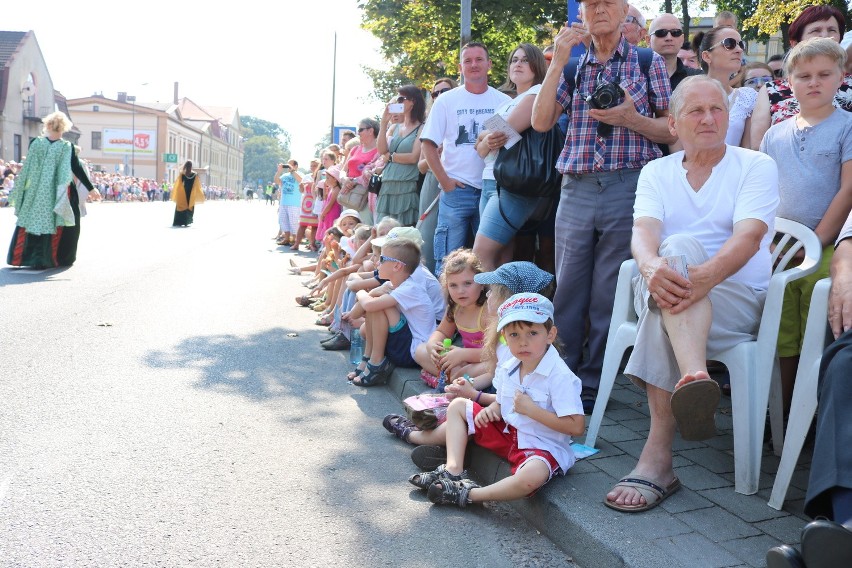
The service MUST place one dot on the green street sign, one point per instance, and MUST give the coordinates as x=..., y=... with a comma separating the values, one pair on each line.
x=170, y=158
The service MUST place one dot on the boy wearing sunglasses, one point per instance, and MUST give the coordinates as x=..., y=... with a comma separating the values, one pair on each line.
x=399, y=315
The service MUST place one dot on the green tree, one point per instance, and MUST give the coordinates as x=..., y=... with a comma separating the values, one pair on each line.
x=768, y=16
x=420, y=38
x=261, y=158
x=266, y=144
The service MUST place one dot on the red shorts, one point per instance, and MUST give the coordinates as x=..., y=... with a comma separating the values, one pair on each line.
x=505, y=443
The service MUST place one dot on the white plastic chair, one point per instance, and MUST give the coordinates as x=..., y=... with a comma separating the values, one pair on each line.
x=804, y=404
x=752, y=365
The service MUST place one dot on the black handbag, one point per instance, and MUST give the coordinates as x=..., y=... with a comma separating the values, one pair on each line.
x=375, y=184
x=529, y=167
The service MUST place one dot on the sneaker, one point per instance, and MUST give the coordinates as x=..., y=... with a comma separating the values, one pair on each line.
x=400, y=426
x=440, y=473
x=336, y=343
x=428, y=457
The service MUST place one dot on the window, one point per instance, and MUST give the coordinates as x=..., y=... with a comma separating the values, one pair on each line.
x=16, y=150
x=96, y=140
x=96, y=108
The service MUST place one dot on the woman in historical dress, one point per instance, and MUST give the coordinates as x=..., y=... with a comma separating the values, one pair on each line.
x=186, y=193
x=46, y=200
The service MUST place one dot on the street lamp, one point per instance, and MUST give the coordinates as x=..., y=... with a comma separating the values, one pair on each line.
x=132, y=99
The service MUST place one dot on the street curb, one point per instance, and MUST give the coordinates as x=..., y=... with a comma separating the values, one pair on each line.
x=566, y=522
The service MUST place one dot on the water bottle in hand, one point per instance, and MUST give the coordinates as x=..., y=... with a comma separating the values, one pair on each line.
x=442, y=378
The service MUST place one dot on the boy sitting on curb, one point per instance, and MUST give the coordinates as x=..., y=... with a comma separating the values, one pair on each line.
x=530, y=422
x=399, y=314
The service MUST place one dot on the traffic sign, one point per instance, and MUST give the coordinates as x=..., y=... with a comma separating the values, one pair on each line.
x=170, y=158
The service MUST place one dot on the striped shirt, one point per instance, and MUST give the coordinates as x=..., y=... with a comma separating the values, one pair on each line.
x=585, y=151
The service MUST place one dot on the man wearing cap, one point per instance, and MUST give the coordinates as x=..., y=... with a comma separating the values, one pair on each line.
x=455, y=122
x=604, y=152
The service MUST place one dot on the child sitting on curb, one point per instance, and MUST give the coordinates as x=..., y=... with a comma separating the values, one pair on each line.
x=529, y=421
x=399, y=314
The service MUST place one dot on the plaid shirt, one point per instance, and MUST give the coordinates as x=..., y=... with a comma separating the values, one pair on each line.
x=585, y=151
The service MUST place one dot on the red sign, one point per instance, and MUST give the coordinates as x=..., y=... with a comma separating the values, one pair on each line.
x=141, y=140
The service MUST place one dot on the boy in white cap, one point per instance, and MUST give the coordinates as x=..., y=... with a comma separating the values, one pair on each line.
x=529, y=421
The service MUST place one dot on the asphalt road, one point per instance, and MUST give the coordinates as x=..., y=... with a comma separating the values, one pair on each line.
x=155, y=412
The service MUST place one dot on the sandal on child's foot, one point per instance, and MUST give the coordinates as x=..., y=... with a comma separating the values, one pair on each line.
x=451, y=492
x=400, y=426
x=426, y=479
x=375, y=374
x=359, y=370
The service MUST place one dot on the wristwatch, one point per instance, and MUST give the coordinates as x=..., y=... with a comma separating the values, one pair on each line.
x=390, y=159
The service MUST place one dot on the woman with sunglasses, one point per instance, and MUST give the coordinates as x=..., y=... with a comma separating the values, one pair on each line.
x=429, y=190
x=775, y=101
x=400, y=144
x=502, y=214
x=720, y=52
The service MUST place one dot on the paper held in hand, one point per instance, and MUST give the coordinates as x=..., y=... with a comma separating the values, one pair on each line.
x=678, y=264
x=496, y=123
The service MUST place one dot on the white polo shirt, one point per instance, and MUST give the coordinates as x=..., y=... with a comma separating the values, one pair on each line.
x=553, y=387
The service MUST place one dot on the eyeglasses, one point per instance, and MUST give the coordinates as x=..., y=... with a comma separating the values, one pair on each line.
x=757, y=82
x=778, y=73
x=402, y=99
x=632, y=20
x=363, y=128
x=440, y=92
x=664, y=33
x=729, y=44
x=383, y=259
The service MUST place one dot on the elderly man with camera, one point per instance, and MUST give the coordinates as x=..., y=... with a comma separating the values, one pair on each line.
x=617, y=98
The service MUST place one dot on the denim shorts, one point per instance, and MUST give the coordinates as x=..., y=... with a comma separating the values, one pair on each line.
x=517, y=210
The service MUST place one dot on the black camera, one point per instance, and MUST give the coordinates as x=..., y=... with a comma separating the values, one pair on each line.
x=605, y=96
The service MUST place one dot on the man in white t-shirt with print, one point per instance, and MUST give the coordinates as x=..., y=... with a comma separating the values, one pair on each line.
x=455, y=121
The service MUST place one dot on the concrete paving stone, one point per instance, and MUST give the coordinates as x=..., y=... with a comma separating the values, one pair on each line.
x=616, y=466
x=685, y=500
x=796, y=507
x=751, y=550
x=696, y=551
x=750, y=508
x=606, y=450
x=765, y=481
x=642, y=424
x=630, y=398
x=721, y=442
x=718, y=524
x=625, y=414
x=680, y=444
x=800, y=478
x=632, y=447
x=584, y=466
x=724, y=422
x=698, y=478
x=618, y=433
x=769, y=463
x=786, y=529
x=710, y=458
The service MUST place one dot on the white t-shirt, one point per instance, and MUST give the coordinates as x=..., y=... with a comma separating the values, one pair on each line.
x=553, y=387
x=742, y=102
x=744, y=185
x=505, y=111
x=455, y=121
x=426, y=280
x=415, y=304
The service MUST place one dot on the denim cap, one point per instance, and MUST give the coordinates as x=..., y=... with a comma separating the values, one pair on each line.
x=518, y=277
x=409, y=233
x=532, y=308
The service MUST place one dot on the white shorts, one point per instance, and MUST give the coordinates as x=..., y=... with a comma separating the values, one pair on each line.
x=288, y=218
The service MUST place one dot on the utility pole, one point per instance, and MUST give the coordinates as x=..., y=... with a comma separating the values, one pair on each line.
x=333, y=88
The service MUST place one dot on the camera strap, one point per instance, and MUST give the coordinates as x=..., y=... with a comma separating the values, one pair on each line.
x=572, y=69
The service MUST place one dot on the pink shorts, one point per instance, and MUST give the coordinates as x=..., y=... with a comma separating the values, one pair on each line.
x=505, y=443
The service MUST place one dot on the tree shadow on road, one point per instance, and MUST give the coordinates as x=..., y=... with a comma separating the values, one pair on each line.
x=265, y=365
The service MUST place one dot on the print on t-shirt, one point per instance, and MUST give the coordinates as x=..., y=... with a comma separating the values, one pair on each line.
x=470, y=124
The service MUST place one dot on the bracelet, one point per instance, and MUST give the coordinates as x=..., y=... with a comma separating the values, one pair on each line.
x=477, y=397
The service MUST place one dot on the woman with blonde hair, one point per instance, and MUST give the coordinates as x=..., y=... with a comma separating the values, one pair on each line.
x=46, y=201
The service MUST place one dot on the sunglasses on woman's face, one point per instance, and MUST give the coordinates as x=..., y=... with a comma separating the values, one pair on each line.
x=663, y=33
x=440, y=92
x=402, y=99
x=729, y=44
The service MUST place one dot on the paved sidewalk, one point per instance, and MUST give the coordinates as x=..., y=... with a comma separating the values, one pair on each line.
x=704, y=524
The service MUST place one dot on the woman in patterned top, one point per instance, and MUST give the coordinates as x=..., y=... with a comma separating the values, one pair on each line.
x=775, y=101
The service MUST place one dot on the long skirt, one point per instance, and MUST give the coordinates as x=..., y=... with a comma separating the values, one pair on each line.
x=184, y=218
x=47, y=251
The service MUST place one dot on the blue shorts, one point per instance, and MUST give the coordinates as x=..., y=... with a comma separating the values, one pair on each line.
x=517, y=210
x=398, y=347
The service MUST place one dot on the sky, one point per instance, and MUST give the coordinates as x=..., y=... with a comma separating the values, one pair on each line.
x=273, y=61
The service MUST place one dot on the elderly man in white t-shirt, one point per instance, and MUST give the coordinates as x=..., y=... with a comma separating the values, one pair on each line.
x=709, y=211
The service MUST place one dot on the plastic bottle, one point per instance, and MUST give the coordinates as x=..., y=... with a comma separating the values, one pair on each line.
x=356, y=347
x=442, y=378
